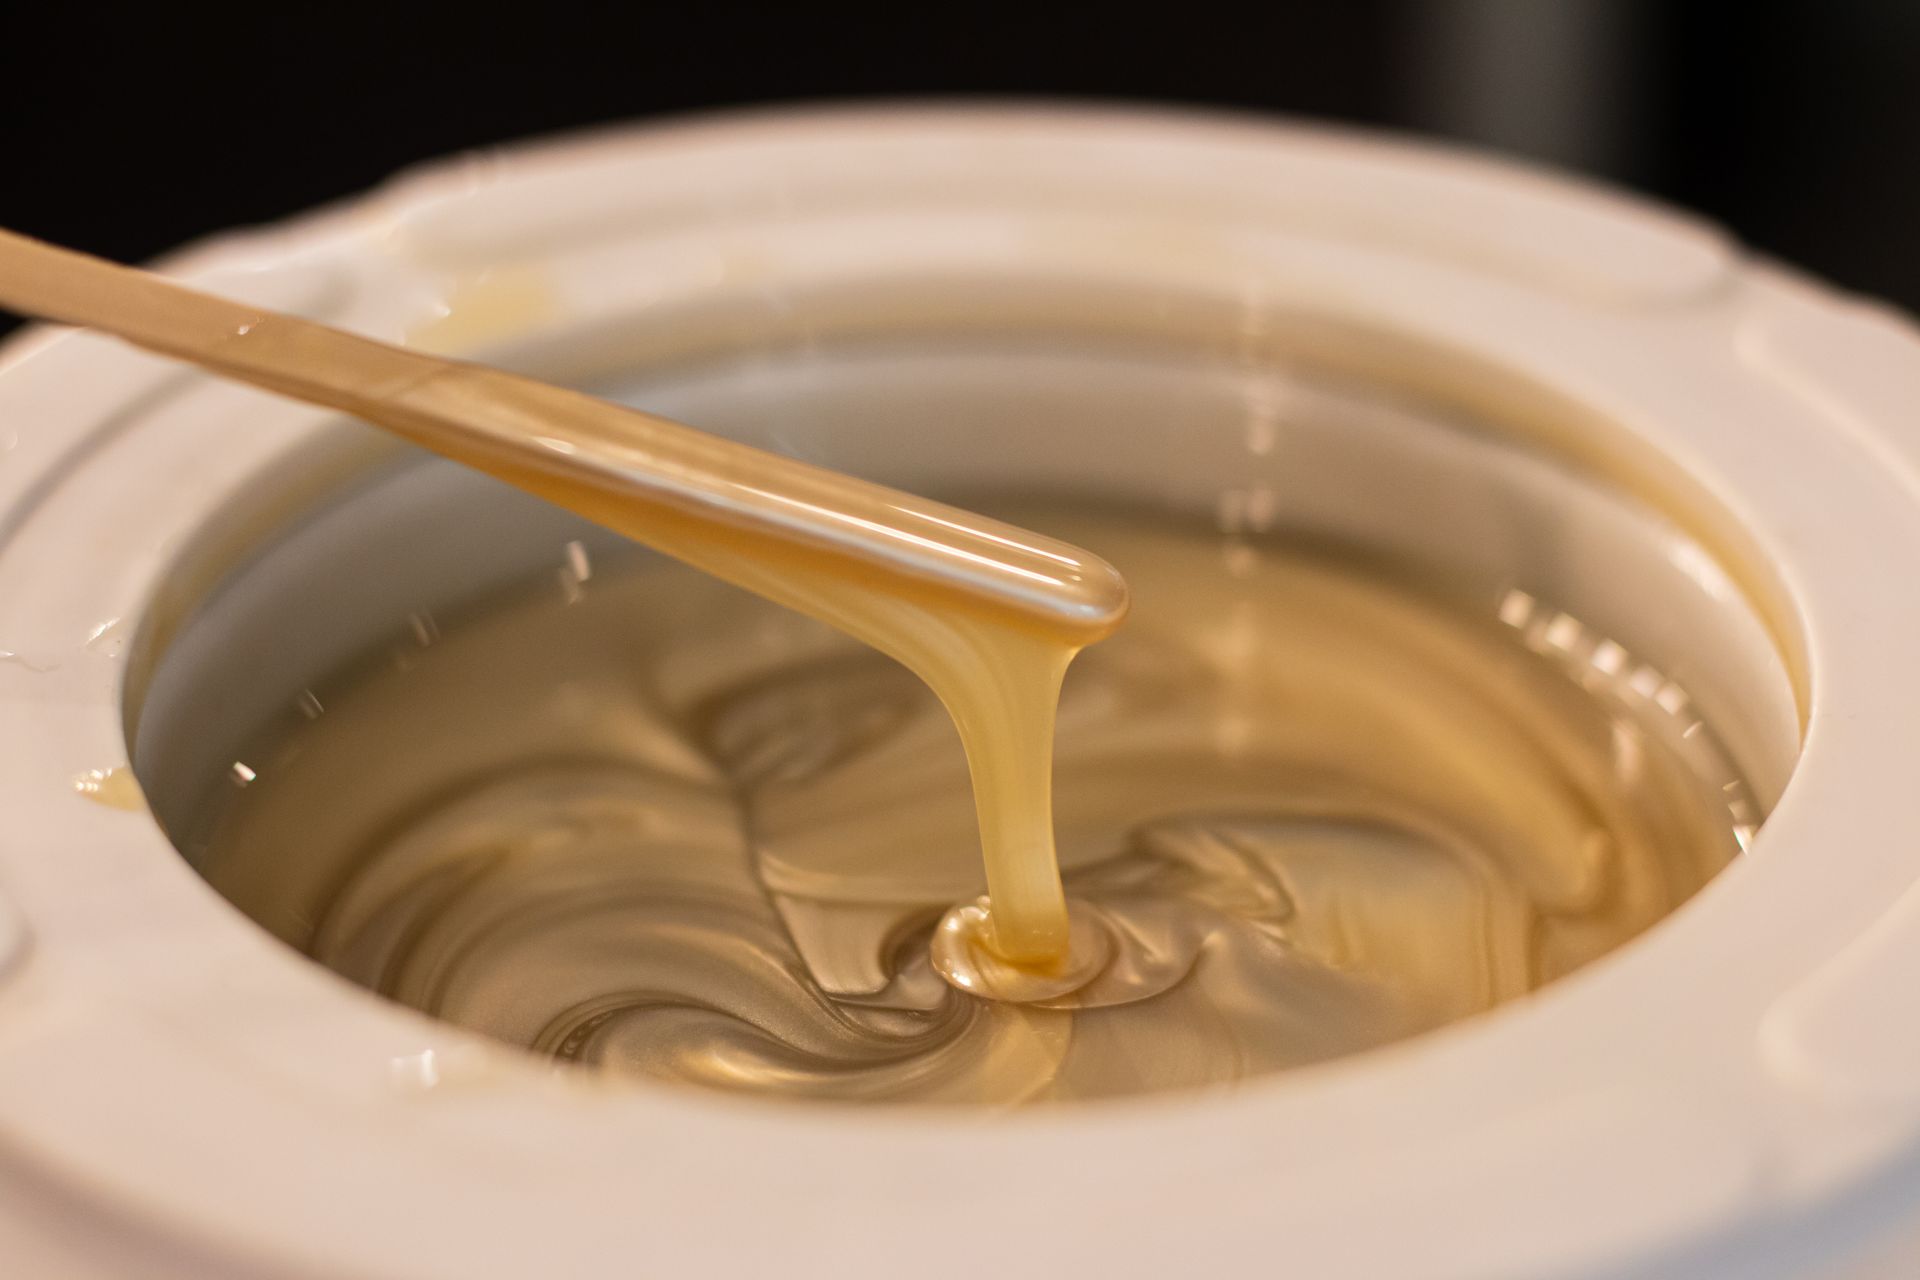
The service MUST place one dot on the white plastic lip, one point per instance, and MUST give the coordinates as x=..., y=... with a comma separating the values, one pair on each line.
x=1665, y=1103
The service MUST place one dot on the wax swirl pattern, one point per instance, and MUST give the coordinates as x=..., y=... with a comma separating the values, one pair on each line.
x=672, y=831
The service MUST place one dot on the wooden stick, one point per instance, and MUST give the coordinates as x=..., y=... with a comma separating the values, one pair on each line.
x=652, y=479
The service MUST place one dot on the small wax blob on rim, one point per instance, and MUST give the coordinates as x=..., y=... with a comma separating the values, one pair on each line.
x=963, y=954
x=116, y=788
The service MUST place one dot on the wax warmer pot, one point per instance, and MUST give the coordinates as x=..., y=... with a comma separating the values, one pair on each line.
x=1547, y=397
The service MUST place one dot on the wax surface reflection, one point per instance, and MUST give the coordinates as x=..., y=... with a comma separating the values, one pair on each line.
x=644, y=821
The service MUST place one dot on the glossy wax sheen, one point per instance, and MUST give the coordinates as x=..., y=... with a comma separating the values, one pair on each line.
x=639, y=819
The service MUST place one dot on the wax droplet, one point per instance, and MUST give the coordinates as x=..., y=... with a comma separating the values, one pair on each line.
x=416, y=1070
x=106, y=639
x=575, y=572
x=963, y=954
x=494, y=304
x=115, y=788
x=434, y=1070
x=21, y=660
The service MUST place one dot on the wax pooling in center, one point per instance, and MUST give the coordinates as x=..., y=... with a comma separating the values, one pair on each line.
x=661, y=827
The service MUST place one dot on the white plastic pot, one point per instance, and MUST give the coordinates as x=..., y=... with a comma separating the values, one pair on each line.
x=1736, y=1093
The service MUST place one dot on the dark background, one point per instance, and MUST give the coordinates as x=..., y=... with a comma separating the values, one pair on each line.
x=1795, y=122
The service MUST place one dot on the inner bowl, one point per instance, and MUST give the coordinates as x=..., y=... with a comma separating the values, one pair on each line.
x=1289, y=446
